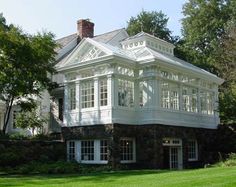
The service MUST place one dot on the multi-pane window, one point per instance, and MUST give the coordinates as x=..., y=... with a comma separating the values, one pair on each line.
x=71, y=150
x=175, y=99
x=194, y=100
x=192, y=150
x=72, y=97
x=103, y=150
x=127, y=150
x=186, y=99
x=87, y=150
x=203, y=102
x=125, y=93
x=87, y=94
x=103, y=92
x=170, y=96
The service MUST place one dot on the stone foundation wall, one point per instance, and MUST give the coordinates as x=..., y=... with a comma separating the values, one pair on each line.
x=149, y=148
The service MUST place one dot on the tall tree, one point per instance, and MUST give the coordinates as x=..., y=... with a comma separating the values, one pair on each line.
x=25, y=64
x=203, y=27
x=209, y=43
x=154, y=23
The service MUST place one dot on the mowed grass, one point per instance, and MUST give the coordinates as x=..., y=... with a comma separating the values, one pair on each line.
x=218, y=176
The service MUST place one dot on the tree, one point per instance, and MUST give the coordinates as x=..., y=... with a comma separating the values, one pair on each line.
x=30, y=119
x=203, y=27
x=154, y=23
x=226, y=68
x=26, y=61
x=209, y=42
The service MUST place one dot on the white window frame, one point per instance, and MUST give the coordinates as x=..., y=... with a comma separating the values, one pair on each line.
x=103, y=94
x=96, y=153
x=195, y=149
x=87, y=94
x=72, y=97
x=133, y=151
x=125, y=93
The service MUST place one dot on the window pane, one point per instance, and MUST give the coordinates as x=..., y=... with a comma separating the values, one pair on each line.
x=126, y=147
x=103, y=92
x=103, y=150
x=87, y=150
x=87, y=94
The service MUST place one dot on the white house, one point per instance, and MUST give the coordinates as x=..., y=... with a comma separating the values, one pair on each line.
x=130, y=100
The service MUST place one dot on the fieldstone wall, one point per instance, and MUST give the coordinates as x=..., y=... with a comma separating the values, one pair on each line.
x=149, y=148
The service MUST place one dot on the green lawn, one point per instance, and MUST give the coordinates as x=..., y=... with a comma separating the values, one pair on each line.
x=219, y=176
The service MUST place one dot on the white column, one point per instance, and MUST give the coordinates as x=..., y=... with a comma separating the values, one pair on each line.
x=110, y=90
x=96, y=93
x=180, y=96
x=78, y=101
x=65, y=106
x=136, y=90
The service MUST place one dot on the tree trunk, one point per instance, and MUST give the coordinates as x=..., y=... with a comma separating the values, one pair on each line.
x=7, y=114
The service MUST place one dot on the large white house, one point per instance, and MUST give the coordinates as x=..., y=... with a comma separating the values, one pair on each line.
x=130, y=100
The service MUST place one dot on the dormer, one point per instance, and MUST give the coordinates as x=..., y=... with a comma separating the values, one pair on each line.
x=143, y=39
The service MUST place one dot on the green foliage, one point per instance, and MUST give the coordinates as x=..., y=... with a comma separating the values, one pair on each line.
x=229, y=162
x=203, y=26
x=30, y=119
x=26, y=62
x=209, y=42
x=154, y=23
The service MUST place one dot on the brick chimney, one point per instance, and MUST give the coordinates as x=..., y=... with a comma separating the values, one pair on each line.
x=85, y=28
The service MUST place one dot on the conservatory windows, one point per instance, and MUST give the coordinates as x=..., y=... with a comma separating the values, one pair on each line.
x=103, y=92
x=192, y=150
x=170, y=96
x=194, y=100
x=87, y=94
x=72, y=97
x=125, y=93
x=127, y=150
x=186, y=99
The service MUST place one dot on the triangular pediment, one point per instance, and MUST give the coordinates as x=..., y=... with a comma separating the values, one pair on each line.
x=87, y=50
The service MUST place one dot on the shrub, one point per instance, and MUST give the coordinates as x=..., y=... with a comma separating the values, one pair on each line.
x=230, y=161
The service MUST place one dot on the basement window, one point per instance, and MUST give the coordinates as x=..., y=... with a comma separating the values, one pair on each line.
x=192, y=150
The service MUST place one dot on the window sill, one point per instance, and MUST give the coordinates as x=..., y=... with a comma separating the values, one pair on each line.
x=127, y=161
x=192, y=160
x=93, y=162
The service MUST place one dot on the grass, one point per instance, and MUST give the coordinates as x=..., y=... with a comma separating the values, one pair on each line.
x=209, y=177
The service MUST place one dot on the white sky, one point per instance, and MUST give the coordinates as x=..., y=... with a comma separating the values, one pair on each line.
x=60, y=16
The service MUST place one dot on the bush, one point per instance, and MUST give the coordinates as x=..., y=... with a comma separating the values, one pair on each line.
x=59, y=167
x=230, y=161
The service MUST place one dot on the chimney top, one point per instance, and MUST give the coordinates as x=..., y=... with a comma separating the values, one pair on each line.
x=85, y=28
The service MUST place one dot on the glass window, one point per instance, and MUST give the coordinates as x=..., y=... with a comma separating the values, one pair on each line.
x=192, y=150
x=72, y=97
x=87, y=150
x=103, y=92
x=125, y=93
x=186, y=99
x=127, y=150
x=87, y=94
x=170, y=95
x=103, y=150
x=203, y=102
x=71, y=150
x=194, y=100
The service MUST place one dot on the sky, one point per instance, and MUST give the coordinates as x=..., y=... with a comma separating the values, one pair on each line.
x=60, y=16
